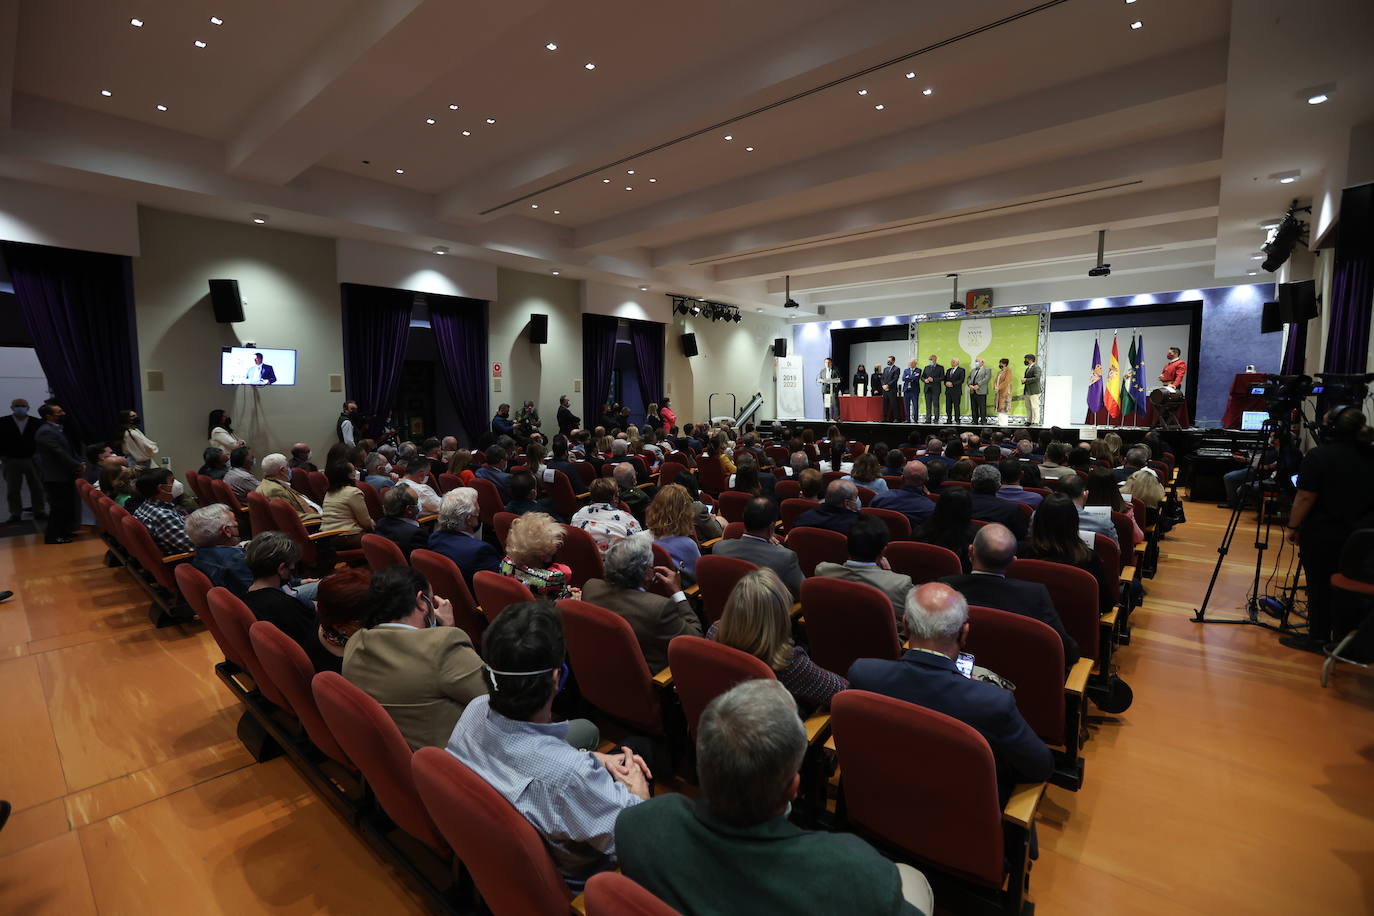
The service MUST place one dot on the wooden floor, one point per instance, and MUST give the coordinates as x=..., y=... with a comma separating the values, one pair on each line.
x=1235, y=784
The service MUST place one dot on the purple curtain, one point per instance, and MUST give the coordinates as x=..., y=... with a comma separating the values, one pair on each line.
x=598, y=361
x=376, y=328
x=1295, y=349
x=79, y=309
x=1352, y=292
x=647, y=339
x=460, y=333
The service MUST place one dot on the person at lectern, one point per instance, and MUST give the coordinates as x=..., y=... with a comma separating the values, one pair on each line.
x=892, y=391
x=860, y=382
x=829, y=380
x=954, y=391
x=1003, y=388
x=978, y=379
x=911, y=391
x=1030, y=387
x=932, y=377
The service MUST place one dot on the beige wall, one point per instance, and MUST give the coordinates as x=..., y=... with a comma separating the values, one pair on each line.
x=732, y=358
x=291, y=301
x=530, y=371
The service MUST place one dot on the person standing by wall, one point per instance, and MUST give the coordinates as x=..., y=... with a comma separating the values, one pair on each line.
x=138, y=448
x=16, y=447
x=58, y=467
x=1030, y=383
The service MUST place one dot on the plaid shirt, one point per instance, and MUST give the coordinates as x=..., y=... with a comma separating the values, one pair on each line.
x=167, y=524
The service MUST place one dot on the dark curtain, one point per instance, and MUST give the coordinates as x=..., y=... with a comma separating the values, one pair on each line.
x=598, y=361
x=647, y=339
x=376, y=326
x=1352, y=292
x=460, y=334
x=1295, y=349
x=79, y=310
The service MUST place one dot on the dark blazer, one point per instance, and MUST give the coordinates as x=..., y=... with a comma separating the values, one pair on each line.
x=832, y=518
x=574, y=478
x=955, y=377
x=567, y=420
x=655, y=619
x=932, y=681
x=268, y=375
x=471, y=554
x=875, y=383
x=405, y=535
x=54, y=455
x=990, y=507
x=892, y=376
x=782, y=560
x=1029, y=599
x=13, y=443
x=860, y=378
x=500, y=479
x=915, y=504
x=932, y=376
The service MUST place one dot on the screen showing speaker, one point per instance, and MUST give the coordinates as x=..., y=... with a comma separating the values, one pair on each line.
x=257, y=366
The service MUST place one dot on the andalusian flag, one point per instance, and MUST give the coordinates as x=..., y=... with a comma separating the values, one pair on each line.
x=1128, y=405
x=1095, y=386
x=1111, y=395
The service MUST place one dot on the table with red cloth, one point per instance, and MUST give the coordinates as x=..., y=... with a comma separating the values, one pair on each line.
x=854, y=408
x=1241, y=399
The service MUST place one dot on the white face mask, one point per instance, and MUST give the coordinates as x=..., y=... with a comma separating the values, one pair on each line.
x=177, y=489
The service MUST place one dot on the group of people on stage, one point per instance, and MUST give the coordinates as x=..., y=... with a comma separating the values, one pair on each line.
x=901, y=389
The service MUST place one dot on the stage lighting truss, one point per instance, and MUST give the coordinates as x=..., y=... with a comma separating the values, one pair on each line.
x=695, y=305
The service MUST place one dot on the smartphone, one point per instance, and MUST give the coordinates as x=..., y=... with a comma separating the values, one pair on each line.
x=965, y=664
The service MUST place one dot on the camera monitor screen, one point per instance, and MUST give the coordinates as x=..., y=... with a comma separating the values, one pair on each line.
x=257, y=366
x=1253, y=419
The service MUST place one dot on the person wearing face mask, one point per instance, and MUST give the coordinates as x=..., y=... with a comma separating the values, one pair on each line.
x=214, y=530
x=17, y=447
x=276, y=484
x=272, y=557
x=345, y=510
x=932, y=382
x=347, y=426
x=456, y=534
x=221, y=432
x=300, y=458
x=137, y=447
x=58, y=468
x=240, y=479
x=159, y=513
x=411, y=659
x=837, y=513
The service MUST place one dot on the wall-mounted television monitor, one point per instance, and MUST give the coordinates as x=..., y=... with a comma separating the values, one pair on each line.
x=257, y=366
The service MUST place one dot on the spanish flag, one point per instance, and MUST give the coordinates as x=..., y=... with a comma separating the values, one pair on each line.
x=1111, y=394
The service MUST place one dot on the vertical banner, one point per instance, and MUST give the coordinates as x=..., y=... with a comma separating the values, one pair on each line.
x=789, y=397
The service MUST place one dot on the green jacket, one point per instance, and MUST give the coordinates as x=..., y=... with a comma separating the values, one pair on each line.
x=700, y=865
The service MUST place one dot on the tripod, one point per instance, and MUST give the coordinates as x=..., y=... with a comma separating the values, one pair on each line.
x=1264, y=520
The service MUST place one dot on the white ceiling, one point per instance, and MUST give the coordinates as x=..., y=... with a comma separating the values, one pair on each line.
x=1045, y=122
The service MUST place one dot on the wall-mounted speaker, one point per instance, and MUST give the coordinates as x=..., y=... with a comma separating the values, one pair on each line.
x=780, y=346
x=224, y=296
x=689, y=344
x=1270, y=320
x=539, y=329
x=1297, y=301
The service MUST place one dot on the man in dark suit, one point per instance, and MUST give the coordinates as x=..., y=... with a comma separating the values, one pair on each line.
x=401, y=506
x=761, y=547
x=932, y=381
x=16, y=446
x=567, y=420
x=954, y=391
x=455, y=535
x=58, y=468
x=937, y=627
x=494, y=470
x=892, y=392
x=989, y=507
x=912, y=499
x=991, y=552
x=261, y=372
x=630, y=570
x=837, y=513
x=560, y=462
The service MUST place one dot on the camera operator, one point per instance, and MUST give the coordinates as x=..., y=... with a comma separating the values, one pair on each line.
x=1335, y=497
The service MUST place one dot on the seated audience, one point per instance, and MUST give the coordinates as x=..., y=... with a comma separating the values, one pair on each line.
x=812, y=483
x=410, y=658
x=868, y=473
x=341, y=607
x=377, y=473
x=989, y=507
x=463, y=465
x=276, y=476
x=531, y=544
x=989, y=585
x=502, y=424
x=1055, y=466
x=117, y=481
x=300, y=458
x=631, y=497
x=961, y=470
x=214, y=530
x=239, y=477
x=1055, y=537
x=568, y=792
x=760, y=544
x=494, y=470
x=630, y=570
x=937, y=626
x=912, y=499
x=707, y=525
x=215, y=463
x=867, y=538
x=1141, y=482
x=1011, y=488
x=345, y=509
x=1090, y=521
x=750, y=744
x=670, y=517
x=559, y=462
x=1102, y=491
x=401, y=508
x=950, y=525
x=604, y=518
x=749, y=479
x=456, y=535
x=522, y=497
x=837, y=513
x=158, y=511
x=272, y=557
x=417, y=477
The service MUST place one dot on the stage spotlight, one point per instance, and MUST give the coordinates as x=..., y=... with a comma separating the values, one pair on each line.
x=1286, y=236
x=1101, y=270
x=694, y=310
x=788, y=301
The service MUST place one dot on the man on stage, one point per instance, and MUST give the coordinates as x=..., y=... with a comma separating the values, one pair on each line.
x=978, y=391
x=1174, y=369
x=1167, y=398
x=892, y=392
x=931, y=377
x=954, y=391
x=911, y=392
x=1030, y=387
x=829, y=380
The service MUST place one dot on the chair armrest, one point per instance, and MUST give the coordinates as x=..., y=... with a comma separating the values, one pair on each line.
x=796, y=610
x=692, y=591
x=1109, y=619
x=706, y=545
x=645, y=486
x=817, y=727
x=321, y=535
x=312, y=522
x=1022, y=805
x=578, y=905
x=428, y=519
x=1127, y=574
x=177, y=558
x=1077, y=681
x=664, y=678
x=587, y=495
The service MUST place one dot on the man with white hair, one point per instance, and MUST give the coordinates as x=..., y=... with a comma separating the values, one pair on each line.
x=988, y=506
x=837, y=513
x=214, y=530
x=750, y=745
x=276, y=484
x=630, y=570
x=937, y=626
x=455, y=534
x=633, y=498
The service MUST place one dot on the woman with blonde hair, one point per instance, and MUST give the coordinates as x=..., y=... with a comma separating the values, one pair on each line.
x=672, y=519
x=533, y=541
x=1113, y=445
x=651, y=418
x=461, y=464
x=757, y=620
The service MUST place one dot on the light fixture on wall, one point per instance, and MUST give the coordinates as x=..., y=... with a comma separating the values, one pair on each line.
x=440, y=249
x=258, y=218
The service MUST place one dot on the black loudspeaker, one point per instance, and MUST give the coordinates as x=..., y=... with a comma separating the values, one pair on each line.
x=689, y=344
x=779, y=346
x=539, y=329
x=224, y=296
x=1270, y=319
x=1298, y=301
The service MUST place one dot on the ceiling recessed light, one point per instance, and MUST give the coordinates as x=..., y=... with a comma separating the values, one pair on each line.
x=429, y=121
x=215, y=20
x=491, y=120
x=630, y=172
x=467, y=133
x=1257, y=257
x=589, y=65
x=1137, y=24
x=1288, y=180
x=911, y=74
x=199, y=43
x=162, y=108
x=555, y=272
x=927, y=91
x=534, y=206
x=863, y=92
x=453, y=108
x=1317, y=99
x=136, y=23
x=644, y=289
x=400, y=171
x=729, y=136
x=748, y=149
x=551, y=46
x=258, y=218
x=605, y=181
x=1130, y=2
x=440, y=249
x=1287, y=177
x=653, y=180
x=628, y=188
x=107, y=93
x=556, y=212
x=879, y=107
